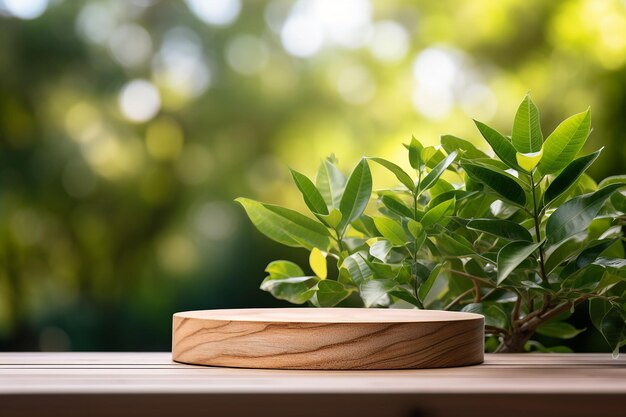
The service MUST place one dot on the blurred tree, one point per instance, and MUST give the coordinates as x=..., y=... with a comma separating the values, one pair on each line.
x=127, y=128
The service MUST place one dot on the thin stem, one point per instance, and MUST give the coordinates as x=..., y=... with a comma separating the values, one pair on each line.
x=458, y=299
x=516, y=308
x=473, y=277
x=339, y=240
x=416, y=249
x=537, y=221
x=477, y=295
x=489, y=293
x=495, y=330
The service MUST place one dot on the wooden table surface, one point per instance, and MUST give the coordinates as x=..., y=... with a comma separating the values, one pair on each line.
x=105, y=384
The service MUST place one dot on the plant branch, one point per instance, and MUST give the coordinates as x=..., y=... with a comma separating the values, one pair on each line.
x=496, y=330
x=477, y=295
x=537, y=221
x=536, y=320
x=473, y=277
x=516, y=307
x=416, y=249
x=458, y=299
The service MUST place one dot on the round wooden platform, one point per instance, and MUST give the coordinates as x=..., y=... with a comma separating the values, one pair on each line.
x=328, y=338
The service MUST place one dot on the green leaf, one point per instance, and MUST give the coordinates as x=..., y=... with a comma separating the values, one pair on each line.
x=454, y=246
x=391, y=230
x=500, y=144
x=296, y=290
x=416, y=229
x=441, y=187
x=312, y=197
x=613, y=328
x=610, y=321
x=365, y=225
x=415, y=151
x=286, y=226
x=618, y=200
x=357, y=268
x=499, y=182
x=561, y=147
x=513, y=254
x=396, y=205
x=611, y=263
x=564, y=251
x=505, y=229
x=437, y=213
x=330, y=182
x=569, y=175
x=356, y=194
x=576, y=215
x=400, y=174
x=588, y=255
x=332, y=219
x=526, y=136
x=330, y=293
x=380, y=250
x=432, y=156
x=560, y=330
x=405, y=295
x=283, y=269
x=375, y=291
x=452, y=143
x=430, y=179
x=494, y=314
x=427, y=285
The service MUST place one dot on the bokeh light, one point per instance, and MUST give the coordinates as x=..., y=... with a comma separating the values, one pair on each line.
x=29, y=9
x=139, y=100
x=215, y=12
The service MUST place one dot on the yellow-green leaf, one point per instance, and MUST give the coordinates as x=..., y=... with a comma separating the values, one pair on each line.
x=528, y=161
x=391, y=230
x=317, y=260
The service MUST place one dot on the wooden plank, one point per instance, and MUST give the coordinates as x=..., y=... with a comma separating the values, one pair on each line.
x=86, y=358
x=155, y=373
x=150, y=384
x=328, y=338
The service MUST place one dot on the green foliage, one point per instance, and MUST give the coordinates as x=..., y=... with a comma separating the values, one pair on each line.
x=522, y=238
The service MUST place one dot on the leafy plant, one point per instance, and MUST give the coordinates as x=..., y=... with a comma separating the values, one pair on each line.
x=522, y=238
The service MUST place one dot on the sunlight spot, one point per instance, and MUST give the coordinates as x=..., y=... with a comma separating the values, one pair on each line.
x=247, y=54
x=95, y=23
x=437, y=73
x=180, y=66
x=83, y=122
x=390, y=41
x=215, y=12
x=130, y=45
x=311, y=23
x=26, y=9
x=301, y=36
x=139, y=100
x=356, y=85
x=479, y=102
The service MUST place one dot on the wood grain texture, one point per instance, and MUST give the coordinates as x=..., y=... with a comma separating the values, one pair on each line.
x=328, y=338
x=150, y=384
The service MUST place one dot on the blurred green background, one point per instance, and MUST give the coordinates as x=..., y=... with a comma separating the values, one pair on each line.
x=128, y=127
